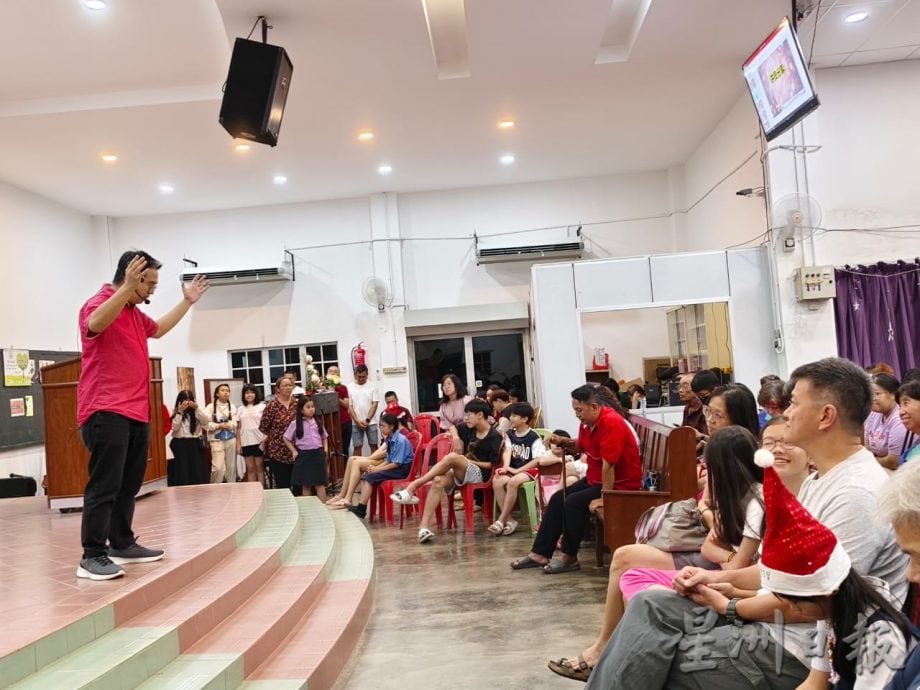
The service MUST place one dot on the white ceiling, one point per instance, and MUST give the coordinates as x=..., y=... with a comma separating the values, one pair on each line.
x=596, y=87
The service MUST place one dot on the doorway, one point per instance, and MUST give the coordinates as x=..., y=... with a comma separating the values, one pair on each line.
x=478, y=360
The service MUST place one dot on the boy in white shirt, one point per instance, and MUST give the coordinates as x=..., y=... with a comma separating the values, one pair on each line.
x=363, y=399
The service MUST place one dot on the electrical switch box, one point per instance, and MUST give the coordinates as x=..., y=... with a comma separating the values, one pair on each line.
x=814, y=282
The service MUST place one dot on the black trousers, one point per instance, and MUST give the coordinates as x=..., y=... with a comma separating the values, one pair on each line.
x=281, y=474
x=117, y=464
x=346, y=439
x=566, y=516
x=188, y=465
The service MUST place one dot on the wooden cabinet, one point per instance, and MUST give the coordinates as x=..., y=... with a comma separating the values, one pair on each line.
x=66, y=457
x=699, y=336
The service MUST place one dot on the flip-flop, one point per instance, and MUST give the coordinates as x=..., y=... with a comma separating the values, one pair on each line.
x=425, y=535
x=404, y=497
x=510, y=527
x=576, y=671
x=497, y=528
x=526, y=562
x=555, y=567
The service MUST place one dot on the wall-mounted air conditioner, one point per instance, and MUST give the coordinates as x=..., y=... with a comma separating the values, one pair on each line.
x=504, y=249
x=241, y=276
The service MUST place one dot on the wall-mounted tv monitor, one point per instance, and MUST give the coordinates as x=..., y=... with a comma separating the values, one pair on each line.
x=779, y=83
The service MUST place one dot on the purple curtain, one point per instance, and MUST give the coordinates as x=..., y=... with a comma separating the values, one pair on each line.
x=877, y=311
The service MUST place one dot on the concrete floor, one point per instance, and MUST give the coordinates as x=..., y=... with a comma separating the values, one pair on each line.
x=452, y=614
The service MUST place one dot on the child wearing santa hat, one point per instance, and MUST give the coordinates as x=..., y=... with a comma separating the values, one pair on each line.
x=864, y=639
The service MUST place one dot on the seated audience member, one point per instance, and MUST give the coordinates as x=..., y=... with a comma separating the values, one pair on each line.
x=909, y=410
x=703, y=384
x=608, y=398
x=693, y=406
x=652, y=646
x=899, y=504
x=453, y=403
x=490, y=391
x=885, y=434
x=515, y=395
x=520, y=458
x=880, y=368
x=401, y=413
x=481, y=447
x=500, y=402
x=772, y=400
x=910, y=375
x=636, y=395
x=357, y=466
x=482, y=394
x=575, y=467
x=394, y=463
x=612, y=452
x=733, y=494
x=729, y=405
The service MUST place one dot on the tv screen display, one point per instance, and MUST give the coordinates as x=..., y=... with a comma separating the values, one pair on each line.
x=779, y=83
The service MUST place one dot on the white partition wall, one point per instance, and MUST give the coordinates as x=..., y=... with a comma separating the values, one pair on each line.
x=561, y=291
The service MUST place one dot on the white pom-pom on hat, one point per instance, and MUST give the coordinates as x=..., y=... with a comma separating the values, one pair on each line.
x=763, y=458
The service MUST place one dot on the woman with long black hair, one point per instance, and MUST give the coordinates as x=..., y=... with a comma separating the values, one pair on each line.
x=189, y=422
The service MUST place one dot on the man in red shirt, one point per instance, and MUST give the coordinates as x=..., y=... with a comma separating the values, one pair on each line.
x=113, y=409
x=611, y=449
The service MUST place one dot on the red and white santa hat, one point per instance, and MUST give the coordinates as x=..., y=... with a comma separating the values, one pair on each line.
x=800, y=556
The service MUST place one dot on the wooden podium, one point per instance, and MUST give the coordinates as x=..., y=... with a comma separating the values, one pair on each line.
x=327, y=412
x=66, y=458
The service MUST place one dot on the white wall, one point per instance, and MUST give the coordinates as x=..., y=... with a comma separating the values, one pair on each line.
x=431, y=247
x=53, y=259
x=864, y=177
x=718, y=217
x=628, y=336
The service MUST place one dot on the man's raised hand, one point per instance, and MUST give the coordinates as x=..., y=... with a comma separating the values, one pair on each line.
x=194, y=290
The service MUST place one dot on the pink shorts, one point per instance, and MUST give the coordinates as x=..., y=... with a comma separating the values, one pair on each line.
x=637, y=580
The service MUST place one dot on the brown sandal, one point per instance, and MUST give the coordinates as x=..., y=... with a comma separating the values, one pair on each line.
x=565, y=667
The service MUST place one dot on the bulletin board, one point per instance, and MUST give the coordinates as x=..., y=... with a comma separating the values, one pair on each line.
x=22, y=415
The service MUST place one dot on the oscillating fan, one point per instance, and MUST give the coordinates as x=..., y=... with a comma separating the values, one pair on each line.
x=793, y=212
x=376, y=293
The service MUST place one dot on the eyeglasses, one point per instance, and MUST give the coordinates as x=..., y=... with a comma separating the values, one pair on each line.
x=773, y=445
x=709, y=413
x=684, y=386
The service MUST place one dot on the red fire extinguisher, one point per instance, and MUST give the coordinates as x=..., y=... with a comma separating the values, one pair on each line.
x=358, y=356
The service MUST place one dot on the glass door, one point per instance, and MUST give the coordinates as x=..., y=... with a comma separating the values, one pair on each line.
x=478, y=360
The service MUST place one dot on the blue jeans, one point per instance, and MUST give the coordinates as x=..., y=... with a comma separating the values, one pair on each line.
x=117, y=464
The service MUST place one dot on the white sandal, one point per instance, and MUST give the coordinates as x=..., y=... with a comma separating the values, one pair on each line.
x=497, y=528
x=510, y=527
x=425, y=534
x=404, y=497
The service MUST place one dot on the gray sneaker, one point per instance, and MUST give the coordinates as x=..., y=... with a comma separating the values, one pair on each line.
x=99, y=568
x=135, y=554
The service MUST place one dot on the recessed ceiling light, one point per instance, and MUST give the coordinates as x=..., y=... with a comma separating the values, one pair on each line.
x=94, y=4
x=506, y=124
x=242, y=147
x=109, y=157
x=855, y=17
x=385, y=169
x=166, y=189
x=366, y=135
x=279, y=179
x=507, y=159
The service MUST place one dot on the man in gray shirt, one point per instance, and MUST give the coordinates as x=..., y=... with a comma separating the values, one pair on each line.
x=654, y=645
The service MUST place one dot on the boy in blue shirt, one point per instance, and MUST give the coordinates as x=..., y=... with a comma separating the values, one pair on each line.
x=397, y=455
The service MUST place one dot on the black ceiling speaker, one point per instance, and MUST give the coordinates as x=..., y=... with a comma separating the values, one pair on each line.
x=256, y=91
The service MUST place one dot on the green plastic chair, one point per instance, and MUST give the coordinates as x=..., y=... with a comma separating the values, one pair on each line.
x=527, y=502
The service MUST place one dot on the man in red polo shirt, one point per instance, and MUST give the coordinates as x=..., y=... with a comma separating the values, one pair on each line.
x=113, y=409
x=611, y=449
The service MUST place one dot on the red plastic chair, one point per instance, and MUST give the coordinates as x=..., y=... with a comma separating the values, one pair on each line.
x=467, y=491
x=379, y=496
x=438, y=447
x=428, y=425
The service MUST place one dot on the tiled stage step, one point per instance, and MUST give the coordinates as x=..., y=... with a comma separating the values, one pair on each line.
x=48, y=613
x=134, y=650
x=282, y=606
x=315, y=653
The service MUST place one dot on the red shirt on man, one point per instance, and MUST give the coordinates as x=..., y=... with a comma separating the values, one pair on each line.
x=115, y=368
x=611, y=440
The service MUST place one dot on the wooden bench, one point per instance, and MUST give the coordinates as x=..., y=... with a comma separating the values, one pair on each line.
x=669, y=450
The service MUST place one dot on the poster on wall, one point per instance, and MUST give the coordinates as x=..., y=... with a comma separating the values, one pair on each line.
x=30, y=406
x=18, y=368
x=17, y=407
